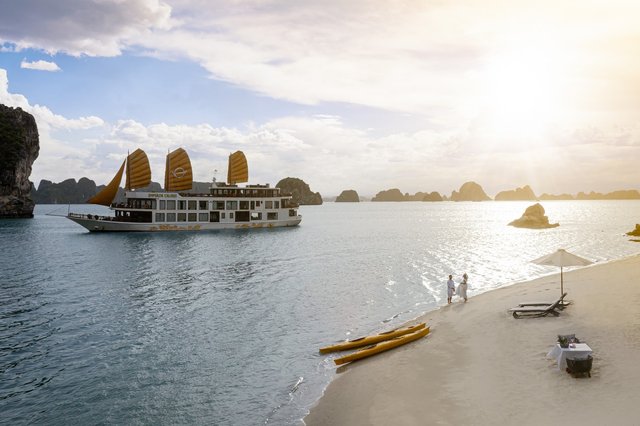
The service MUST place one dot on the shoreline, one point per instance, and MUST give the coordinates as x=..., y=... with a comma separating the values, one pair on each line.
x=479, y=365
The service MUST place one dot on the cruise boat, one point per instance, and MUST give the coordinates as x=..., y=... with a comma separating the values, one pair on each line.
x=225, y=206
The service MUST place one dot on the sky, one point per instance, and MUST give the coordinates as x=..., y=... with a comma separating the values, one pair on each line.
x=364, y=95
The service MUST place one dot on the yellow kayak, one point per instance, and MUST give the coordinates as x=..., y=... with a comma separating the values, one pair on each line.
x=383, y=346
x=370, y=340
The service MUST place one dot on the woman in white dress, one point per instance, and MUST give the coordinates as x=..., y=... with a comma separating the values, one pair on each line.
x=462, y=288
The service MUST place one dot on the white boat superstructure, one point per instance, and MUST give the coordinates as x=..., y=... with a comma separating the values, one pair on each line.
x=226, y=206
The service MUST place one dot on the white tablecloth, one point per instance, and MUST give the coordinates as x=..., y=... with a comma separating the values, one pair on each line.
x=579, y=351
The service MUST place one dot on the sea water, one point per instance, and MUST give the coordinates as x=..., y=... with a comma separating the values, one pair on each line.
x=224, y=327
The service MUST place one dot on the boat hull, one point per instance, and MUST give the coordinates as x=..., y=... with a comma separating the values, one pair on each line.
x=383, y=346
x=370, y=340
x=99, y=225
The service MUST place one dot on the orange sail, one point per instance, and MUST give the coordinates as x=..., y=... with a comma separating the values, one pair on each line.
x=108, y=193
x=138, y=170
x=238, y=169
x=178, y=175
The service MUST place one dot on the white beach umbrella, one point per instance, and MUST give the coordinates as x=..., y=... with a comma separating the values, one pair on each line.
x=562, y=258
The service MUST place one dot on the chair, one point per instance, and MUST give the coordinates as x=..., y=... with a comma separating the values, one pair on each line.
x=562, y=303
x=582, y=366
x=537, y=311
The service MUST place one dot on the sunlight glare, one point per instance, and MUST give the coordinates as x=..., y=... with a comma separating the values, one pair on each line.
x=521, y=92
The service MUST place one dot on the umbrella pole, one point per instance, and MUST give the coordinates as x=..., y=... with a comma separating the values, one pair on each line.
x=561, y=283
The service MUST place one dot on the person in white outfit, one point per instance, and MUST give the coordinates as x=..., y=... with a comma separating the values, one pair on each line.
x=462, y=288
x=451, y=289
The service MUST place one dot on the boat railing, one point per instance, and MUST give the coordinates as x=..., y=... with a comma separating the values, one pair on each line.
x=92, y=216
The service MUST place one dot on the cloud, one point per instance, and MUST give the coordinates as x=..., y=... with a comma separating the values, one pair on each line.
x=80, y=27
x=39, y=65
x=331, y=155
x=432, y=59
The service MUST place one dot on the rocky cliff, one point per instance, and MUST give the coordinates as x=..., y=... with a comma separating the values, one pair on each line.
x=519, y=194
x=19, y=148
x=348, y=196
x=469, y=191
x=301, y=192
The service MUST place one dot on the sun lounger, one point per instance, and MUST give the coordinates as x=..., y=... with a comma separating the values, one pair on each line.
x=563, y=303
x=537, y=311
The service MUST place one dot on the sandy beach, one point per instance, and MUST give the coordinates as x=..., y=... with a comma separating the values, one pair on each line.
x=481, y=366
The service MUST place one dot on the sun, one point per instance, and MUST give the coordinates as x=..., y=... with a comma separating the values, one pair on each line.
x=521, y=91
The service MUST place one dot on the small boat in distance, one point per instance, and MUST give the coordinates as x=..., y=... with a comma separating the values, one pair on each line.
x=226, y=206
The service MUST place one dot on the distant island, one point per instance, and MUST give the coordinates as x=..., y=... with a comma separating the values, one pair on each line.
x=302, y=193
x=70, y=191
x=348, y=196
x=395, y=195
x=519, y=194
x=469, y=191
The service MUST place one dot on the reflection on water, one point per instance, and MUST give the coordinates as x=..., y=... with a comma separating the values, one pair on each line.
x=223, y=327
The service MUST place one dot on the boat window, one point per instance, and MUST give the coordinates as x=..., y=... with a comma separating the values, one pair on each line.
x=272, y=216
x=203, y=205
x=268, y=204
x=193, y=205
x=292, y=213
x=244, y=205
x=276, y=204
x=171, y=204
x=222, y=215
x=203, y=217
x=182, y=217
x=159, y=217
x=218, y=205
x=232, y=205
x=242, y=216
x=256, y=216
x=253, y=205
x=193, y=217
x=284, y=203
x=230, y=215
x=162, y=205
x=258, y=203
x=171, y=217
x=182, y=205
x=214, y=217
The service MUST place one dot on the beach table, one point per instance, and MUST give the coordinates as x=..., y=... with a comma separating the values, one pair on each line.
x=574, y=351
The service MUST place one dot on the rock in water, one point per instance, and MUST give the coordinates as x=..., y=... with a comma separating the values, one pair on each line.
x=635, y=232
x=348, y=196
x=19, y=147
x=300, y=191
x=534, y=218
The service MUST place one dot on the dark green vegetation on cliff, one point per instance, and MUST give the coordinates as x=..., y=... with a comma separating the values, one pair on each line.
x=19, y=147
